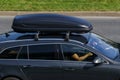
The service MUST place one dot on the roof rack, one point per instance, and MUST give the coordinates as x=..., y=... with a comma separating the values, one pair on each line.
x=37, y=36
x=67, y=36
x=50, y=23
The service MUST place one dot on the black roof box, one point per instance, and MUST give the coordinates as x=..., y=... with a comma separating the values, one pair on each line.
x=50, y=23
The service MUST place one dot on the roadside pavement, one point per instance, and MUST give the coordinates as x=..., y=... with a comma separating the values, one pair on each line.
x=72, y=13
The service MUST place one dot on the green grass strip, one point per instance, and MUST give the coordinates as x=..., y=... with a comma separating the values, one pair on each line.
x=59, y=5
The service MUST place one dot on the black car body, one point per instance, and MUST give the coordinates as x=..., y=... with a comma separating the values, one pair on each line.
x=32, y=54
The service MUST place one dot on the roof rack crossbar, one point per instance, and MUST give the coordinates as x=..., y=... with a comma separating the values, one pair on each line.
x=37, y=36
x=67, y=36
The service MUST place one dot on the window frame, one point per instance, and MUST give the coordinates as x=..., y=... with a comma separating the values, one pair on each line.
x=27, y=45
x=77, y=46
x=26, y=53
x=9, y=48
x=55, y=44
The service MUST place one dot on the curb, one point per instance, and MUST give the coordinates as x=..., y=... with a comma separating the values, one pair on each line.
x=72, y=13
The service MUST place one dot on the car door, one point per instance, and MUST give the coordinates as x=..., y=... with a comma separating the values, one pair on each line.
x=43, y=62
x=8, y=63
x=86, y=69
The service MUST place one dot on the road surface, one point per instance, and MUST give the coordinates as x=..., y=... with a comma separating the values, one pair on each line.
x=107, y=26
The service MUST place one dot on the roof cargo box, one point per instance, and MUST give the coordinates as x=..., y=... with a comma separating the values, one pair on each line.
x=50, y=23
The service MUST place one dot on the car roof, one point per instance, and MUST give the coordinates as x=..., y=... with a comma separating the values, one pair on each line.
x=22, y=36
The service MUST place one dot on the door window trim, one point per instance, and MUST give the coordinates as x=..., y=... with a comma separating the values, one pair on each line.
x=9, y=48
x=106, y=61
x=55, y=44
x=80, y=47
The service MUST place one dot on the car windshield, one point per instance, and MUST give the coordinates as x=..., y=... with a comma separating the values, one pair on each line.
x=103, y=45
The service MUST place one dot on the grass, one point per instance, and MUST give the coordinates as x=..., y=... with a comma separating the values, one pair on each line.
x=59, y=5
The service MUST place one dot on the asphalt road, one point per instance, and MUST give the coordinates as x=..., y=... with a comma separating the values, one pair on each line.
x=108, y=27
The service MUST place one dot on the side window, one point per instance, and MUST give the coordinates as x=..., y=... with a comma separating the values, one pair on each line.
x=23, y=54
x=76, y=53
x=45, y=52
x=10, y=53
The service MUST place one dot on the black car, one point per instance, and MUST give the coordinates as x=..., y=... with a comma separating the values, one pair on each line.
x=41, y=46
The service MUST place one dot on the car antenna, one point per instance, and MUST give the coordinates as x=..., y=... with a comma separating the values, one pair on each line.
x=37, y=36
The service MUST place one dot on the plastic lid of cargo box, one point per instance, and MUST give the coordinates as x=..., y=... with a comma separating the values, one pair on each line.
x=50, y=23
